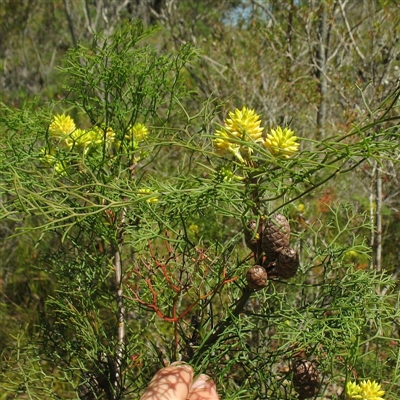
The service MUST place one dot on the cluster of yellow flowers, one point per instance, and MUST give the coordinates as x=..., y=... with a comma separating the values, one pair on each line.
x=366, y=390
x=63, y=129
x=243, y=128
x=137, y=132
x=64, y=133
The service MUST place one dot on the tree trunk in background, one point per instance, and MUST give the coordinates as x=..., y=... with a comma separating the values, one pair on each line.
x=372, y=215
x=70, y=23
x=379, y=219
x=146, y=10
x=289, y=38
x=321, y=60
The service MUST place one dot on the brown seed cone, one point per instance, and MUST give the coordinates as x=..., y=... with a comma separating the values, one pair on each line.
x=257, y=277
x=306, y=379
x=251, y=235
x=287, y=263
x=275, y=236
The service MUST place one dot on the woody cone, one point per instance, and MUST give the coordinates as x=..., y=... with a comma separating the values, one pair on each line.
x=276, y=235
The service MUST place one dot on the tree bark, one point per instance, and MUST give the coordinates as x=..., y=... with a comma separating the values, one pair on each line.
x=322, y=68
x=379, y=219
x=120, y=350
x=70, y=23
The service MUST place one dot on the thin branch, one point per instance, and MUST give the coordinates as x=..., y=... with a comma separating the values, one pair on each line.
x=120, y=351
x=372, y=214
x=379, y=219
x=223, y=325
x=322, y=56
x=70, y=23
x=88, y=18
x=346, y=21
x=266, y=10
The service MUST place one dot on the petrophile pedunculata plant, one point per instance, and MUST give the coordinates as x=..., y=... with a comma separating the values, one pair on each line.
x=173, y=233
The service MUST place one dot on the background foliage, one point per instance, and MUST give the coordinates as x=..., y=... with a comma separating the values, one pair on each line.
x=163, y=215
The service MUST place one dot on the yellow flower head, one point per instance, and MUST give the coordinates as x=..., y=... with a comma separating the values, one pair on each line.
x=47, y=157
x=353, y=391
x=61, y=126
x=110, y=134
x=138, y=132
x=59, y=168
x=301, y=207
x=243, y=125
x=194, y=229
x=78, y=138
x=371, y=390
x=281, y=142
x=95, y=136
x=366, y=390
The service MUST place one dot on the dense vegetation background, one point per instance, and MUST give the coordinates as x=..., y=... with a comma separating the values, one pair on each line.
x=164, y=219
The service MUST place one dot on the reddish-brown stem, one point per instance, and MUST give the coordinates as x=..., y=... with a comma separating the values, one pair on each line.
x=175, y=317
x=167, y=278
x=180, y=289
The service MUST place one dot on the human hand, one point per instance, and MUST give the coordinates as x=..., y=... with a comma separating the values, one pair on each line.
x=176, y=383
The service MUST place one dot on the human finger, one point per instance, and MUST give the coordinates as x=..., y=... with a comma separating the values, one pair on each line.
x=170, y=383
x=203, y=388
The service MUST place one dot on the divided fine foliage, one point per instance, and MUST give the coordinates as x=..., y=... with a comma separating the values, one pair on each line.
x=165, y=236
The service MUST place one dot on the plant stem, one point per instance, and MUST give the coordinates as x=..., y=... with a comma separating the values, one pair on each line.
x=223, y=325
x=119, y=356
x=379, y=197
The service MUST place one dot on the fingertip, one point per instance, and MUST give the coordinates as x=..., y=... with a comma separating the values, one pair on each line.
x=178, y=363
x=201, y=381
x=170, y=383
x=203, y=388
